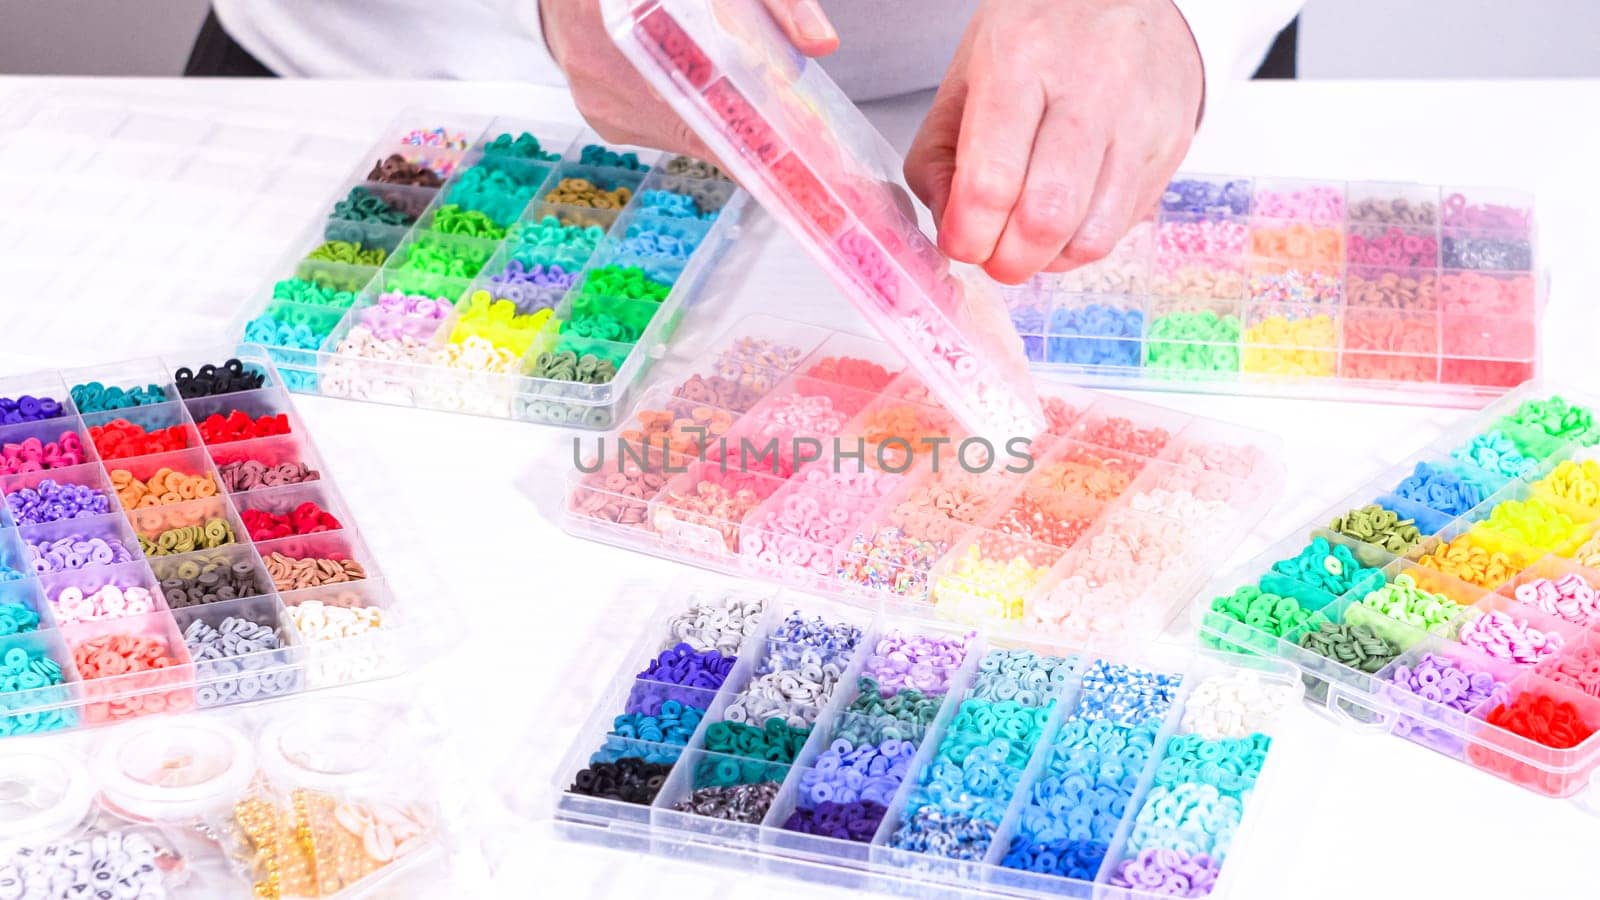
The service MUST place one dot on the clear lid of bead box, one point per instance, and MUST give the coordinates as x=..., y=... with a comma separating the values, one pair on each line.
x=1474, y=561
x=210, y=803
x=1383, y=292
x=495, y=266
x=918, y=689
x=228, y=603
x=806, y=152
x=818, y=459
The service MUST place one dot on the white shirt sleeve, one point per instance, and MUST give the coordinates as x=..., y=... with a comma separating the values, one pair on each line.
x=1233, y=36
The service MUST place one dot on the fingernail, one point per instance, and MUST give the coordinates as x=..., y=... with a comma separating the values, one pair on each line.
x=812, y=22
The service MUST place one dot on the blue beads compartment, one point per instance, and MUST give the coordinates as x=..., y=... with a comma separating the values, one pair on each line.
x=1116, y=696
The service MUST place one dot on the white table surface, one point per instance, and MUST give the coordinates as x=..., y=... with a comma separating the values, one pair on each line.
x=1347, y=815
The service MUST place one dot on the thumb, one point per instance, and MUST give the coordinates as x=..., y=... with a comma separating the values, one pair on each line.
x=931, y=162
x=805, y=24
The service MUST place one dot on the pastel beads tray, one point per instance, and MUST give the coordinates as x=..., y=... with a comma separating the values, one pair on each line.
x=495, y=267
x=817, y=459
x=170, y=538
x=798, y=144
x=306, y=798
x=1451, y=601
x=785, y=733
x=1399, y=293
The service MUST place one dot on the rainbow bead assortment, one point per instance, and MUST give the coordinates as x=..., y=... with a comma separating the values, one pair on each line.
x=1422, y=292
x=1458, y=602
x=815, y=459
x=496, y=274
x=169, y=539
x=898, y=746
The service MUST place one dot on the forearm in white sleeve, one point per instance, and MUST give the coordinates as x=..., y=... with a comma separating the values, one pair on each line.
x=1234, y=36
x=476, y=40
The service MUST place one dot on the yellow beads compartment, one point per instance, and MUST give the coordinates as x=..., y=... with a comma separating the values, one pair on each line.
x=1279, y=345
x=498, y=323
x=981, y=589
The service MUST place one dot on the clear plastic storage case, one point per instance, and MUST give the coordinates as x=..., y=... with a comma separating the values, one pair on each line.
x=818, y=459
x=1451, y=601
x=224, y=571
x=1383, y=292
x=798, y=144
x=496, y=267
x=322, y=797
x=1109, y=748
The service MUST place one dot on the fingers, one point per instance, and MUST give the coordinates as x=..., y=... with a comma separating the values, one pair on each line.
x=1111, y=210
x=1066, y=161
x=1000, y=118
x=931, y=162
x=805, y=24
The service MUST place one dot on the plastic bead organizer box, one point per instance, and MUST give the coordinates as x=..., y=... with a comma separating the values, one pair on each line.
x=1455, y=600
x=1399, y=293
x=783, y=733
x=1125, y=505
x=171, y=539
x=320, y=797
x=475, y=268
x=1391, y=292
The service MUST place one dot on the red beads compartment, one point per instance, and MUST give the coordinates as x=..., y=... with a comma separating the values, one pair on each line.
x=238, y=426
x=307, y=518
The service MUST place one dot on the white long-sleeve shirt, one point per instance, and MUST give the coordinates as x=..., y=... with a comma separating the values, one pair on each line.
x=888, y=47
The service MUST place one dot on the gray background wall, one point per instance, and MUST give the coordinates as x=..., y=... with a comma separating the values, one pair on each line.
x=1338, y=38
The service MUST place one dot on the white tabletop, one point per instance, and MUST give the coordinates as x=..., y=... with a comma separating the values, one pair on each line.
x=1347, y=814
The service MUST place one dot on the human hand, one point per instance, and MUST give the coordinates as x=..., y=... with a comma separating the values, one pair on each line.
x=615, y=99
x=1056, y=127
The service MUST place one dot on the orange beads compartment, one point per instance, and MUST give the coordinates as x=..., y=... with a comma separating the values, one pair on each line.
x=163, y=479
x=132, y=666
x=1390, y=345
x=667, y=424
x=1297, y=242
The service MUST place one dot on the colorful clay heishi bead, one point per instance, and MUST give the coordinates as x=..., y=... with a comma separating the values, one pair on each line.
x=1325, y=566
x=1372, y=524
x=991, y=577
x=75, y=551
x=1233, y=705
x=1578, y=668
x=33, y=454
x=1503, y=636
x=1230, y=765
x=52, y=501
x=29, y=408
x=26, y=666
x=628, y=779
x=93, y=396
x=1442, y=681
x=1548, y=718
x=1533, y=526
x=1570, y=598
x=1172, y=872
x=1404, y=601
x=716, y=623
x=1495, y=453
x=1465, y=559
x=1253, y=619
x=1575, y=482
